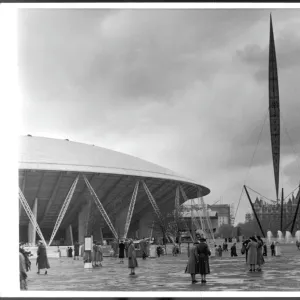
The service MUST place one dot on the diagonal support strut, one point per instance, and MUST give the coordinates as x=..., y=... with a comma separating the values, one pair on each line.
x=63, y=209
x=131, y=208
x=100, y=207
x=31, y=216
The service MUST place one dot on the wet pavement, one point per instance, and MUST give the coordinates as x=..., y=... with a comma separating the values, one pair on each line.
x=167, y=274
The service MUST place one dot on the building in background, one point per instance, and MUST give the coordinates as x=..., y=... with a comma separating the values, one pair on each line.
x=223, y=211
x=269, y=214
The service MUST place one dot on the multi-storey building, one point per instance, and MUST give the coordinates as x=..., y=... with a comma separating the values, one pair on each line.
x=270, y=214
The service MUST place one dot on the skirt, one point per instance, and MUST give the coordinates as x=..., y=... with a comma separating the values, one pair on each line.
x=192, y=268
x=132, y=263
x=203, y=266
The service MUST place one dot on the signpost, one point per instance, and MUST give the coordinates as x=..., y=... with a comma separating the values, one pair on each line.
x=88, y=248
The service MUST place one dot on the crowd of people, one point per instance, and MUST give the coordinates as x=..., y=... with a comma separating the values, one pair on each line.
x=254, y=248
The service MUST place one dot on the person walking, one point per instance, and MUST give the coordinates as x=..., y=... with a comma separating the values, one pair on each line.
x=42, y=258
x=233, y=250
x=132, y=261
x=143, y=245
x=203, y=254
x=94, y=254
x=99, y=255
x=193, y=262
x=76, y=250
x=121, y=251
x=265, y=253
x=220, y=251
x=260, y=258
x=272, y=249
x=252, y=254
x=126, y=248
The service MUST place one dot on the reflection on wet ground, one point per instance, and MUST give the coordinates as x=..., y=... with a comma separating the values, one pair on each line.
x=167, y=274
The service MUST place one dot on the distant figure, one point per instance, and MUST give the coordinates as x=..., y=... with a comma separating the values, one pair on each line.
x=70, y=252
x=233, y=250
x=265, y=250
x=272, y=249
x=121, y=251
x=76, y=250
x=126, y=247
x=42, y=259
x=175, y=250
x=94, y=254
x=58, y=251
x=99, y=255
x=132, y=261
x=252, y=254
x=143, y=245
x=220, y=251
x=193, y=262
x=159, y=250
x=204, y=253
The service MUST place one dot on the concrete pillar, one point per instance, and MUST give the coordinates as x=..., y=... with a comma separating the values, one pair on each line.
x=31, y=229
x=145, y=224
x=69, y=236
x=82, y=222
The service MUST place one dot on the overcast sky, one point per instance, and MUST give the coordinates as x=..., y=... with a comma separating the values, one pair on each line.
x=185, y=89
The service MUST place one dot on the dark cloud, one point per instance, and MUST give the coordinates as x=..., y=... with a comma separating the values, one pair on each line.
x=182, y=88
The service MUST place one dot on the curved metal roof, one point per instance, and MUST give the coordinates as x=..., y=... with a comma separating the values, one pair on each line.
x=40, y=153
x=48, y=167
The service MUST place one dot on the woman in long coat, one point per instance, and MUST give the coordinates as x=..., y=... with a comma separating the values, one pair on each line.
x=121, y=251
x=193, y=263
x=132, y=261
x=252, y=254
x=94, y=254
x=42, y=259
x=260, y=258
x=203, y=253
x=23, y=275
x=233, y=250
x=99, y=254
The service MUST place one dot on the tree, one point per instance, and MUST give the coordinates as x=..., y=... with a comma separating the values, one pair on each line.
x=226, y=230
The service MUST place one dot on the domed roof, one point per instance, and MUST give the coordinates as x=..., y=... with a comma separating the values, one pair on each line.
x=40, y=153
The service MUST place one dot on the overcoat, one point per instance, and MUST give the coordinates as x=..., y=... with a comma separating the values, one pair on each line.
x=203, y=253
x=42, y=259
x=260, y=258
x=121, y=250
x=99, y=253
x=252, y=253
x=193, y=262
x=76, y=249
x=132, y=261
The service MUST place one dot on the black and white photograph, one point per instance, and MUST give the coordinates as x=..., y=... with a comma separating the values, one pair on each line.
x=158, y=149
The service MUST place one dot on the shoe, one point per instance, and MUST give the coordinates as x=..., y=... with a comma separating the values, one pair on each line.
x=204, y=281
x=194, y=281
x=46, y=272
x=250, y=270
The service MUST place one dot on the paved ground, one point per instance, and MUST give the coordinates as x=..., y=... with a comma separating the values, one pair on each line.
x=167, y=274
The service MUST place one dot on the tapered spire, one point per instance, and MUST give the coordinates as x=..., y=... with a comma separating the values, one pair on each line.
x=274, y=110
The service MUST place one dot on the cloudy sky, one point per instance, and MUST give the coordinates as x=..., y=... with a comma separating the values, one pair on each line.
x=186, y=89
